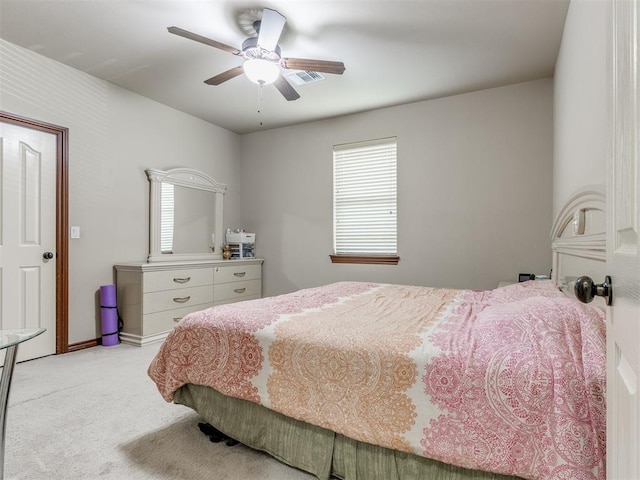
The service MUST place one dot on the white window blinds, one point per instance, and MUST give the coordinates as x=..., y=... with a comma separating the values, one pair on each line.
x=166, y=217
x=365, y=198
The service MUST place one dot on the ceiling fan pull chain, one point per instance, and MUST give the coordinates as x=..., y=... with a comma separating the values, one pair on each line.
x=260, y=87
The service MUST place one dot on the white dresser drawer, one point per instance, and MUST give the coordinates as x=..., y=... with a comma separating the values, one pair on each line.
x=235, y=300
x=237, y=290
x=164, y=321
x=236, y=273
x=177, y=298
x=171, y=279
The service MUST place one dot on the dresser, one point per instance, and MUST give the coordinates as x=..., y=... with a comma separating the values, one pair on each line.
x=153, y=297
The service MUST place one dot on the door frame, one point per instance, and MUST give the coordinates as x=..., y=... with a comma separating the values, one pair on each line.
x=62, y=220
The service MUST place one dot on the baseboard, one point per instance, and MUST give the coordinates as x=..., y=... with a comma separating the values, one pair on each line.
x=94, y=342
x=124, y=338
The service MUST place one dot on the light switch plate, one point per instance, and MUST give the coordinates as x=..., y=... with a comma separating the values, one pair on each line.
x=75, y=232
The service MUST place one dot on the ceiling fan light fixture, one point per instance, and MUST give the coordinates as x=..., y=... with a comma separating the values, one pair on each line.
x=260, y=71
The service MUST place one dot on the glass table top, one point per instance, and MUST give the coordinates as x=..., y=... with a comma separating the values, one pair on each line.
x=9, y=338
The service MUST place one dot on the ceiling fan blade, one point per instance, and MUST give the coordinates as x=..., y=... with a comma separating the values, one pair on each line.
x=224, y=76
x=286, y=89
x=199, y=38
x=270, y=30
x=324, y=66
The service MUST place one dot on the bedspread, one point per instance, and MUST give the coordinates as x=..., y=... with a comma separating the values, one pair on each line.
x=510, y=381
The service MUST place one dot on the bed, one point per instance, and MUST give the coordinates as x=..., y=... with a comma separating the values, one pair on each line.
x=379, y=381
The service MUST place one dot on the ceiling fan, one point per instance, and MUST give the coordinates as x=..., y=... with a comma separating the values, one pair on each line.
x=262, y=57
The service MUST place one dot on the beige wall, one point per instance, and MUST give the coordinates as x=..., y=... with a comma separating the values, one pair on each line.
x=474, y=176
x=475, y=191
x=580, y=104
x=114, y=135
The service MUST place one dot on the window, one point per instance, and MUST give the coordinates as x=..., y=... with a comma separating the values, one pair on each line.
x=365, y=202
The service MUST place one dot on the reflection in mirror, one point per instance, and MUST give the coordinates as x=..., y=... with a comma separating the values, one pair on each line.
x=166, y=218
x=187, y=220
x=185, y=215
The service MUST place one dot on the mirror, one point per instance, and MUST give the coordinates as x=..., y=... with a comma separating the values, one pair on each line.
x=185, y=215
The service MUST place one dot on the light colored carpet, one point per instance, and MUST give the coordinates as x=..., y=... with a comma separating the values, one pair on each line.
x=95, y=414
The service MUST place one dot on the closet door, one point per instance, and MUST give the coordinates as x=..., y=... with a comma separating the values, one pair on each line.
x=623, y=248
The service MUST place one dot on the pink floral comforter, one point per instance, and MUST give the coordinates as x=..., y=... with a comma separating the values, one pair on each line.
x=510, y=381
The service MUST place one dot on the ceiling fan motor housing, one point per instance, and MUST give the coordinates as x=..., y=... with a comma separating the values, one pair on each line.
x=251, y=50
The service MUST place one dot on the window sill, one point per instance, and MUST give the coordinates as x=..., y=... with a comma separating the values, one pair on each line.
x=368, y=259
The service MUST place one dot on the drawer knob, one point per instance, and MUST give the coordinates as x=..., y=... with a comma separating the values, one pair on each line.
x=240, y=274
x=181, y=299
x=239, y=290
x=182, y=280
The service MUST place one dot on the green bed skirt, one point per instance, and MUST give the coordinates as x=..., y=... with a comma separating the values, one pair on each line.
x=316, y=450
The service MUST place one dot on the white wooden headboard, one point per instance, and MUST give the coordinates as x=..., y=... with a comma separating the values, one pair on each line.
x=578, y=238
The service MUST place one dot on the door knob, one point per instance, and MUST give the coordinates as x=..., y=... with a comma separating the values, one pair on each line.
x=586, y=290
x=47, y=255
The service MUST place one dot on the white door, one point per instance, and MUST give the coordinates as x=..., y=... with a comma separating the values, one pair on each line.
x=623, y=247
x=27, y=233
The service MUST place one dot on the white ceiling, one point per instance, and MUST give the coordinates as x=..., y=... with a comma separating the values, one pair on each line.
x=395, y=51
